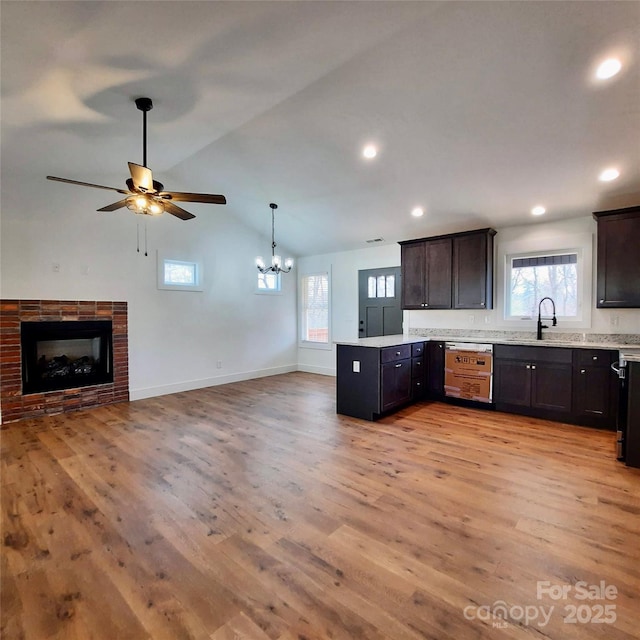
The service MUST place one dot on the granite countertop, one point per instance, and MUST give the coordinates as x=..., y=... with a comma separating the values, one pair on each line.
x=631, y=351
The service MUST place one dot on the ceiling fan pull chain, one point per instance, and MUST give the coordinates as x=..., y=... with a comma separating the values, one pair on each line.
x=138, y=236
x=145, y=238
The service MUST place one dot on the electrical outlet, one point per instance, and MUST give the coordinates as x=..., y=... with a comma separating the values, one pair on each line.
x=615, y=321
x=219, y=364
x=472, y=318
x=487, y=319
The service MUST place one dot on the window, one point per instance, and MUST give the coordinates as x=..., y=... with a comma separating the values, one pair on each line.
x=535, y=276
x=269, y=283
x=381, y=287
x=315, y=310
x=179, y=275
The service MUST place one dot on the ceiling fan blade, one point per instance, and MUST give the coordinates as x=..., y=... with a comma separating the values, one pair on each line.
x=142, y=177
x=86, y=184
x=207, y=198
x=115, y=205
x=178, y=212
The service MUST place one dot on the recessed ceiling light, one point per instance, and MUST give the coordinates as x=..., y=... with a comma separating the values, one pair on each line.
x=538, y=211
x=608, y=175
x=369, y=151
x=608, y=68
x=417, y=212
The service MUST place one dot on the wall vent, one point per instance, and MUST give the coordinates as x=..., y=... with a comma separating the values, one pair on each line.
x=375, y=240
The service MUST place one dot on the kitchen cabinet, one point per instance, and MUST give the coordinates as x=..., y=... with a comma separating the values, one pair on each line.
x=426, y=274
x=373, y=380
x=448, y=272
x=533, y=380
x=435, y=369
x=418, y=371
x=595, y=387
x=618, y=262
x=473, y=270
x=395, y=380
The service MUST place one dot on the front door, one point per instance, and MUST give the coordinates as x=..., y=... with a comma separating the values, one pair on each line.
x=380, y=305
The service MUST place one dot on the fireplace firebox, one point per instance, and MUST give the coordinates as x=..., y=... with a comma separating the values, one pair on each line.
x=67, y=354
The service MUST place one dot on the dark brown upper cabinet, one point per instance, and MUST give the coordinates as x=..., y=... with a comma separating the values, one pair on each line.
x=448, y=272
x=618, y=279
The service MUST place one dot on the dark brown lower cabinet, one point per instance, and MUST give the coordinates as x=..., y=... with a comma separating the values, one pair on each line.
x=533, y=380
x=435, y=369
x=373, y=380
x=570, y=385
x=595, y=387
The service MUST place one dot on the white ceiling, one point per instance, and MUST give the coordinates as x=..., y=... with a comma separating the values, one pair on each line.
x=480, y=110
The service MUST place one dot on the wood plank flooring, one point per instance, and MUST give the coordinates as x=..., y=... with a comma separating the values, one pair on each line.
x=251, y=511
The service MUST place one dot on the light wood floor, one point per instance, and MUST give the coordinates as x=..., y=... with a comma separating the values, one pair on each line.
x=253, y=511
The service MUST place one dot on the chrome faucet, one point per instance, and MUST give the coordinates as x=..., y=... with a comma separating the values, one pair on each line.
x=554, y=322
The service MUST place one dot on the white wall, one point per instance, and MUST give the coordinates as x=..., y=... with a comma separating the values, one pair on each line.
x=176, y=338
x=344, y=268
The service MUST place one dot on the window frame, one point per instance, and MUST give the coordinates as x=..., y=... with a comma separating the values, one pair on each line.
x=559, y=243
x=308, y=344
x=269, y=292
x=163, y=258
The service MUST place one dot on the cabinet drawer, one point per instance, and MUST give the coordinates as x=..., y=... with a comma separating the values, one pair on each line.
x=593, y=357
x=390, y=354
x=417, y=367
x=417, y=349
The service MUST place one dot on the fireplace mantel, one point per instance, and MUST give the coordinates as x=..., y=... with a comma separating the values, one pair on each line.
x=17, y=405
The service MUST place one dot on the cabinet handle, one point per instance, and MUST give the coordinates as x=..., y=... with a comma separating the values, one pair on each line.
x=533, y=366
x=582, y=371
x=398, y=365
x=528, y=366
x=440, y=346
x=595, y=357
x=425, y=304
x=482, y=304
x=601, y=301
x=397, y=353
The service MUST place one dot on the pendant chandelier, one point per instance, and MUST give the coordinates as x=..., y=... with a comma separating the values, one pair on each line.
x=276, y=261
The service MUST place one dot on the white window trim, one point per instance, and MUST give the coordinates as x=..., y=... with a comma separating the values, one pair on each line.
x=580, y=244
x=306, y=344
x=162, y=257
x=270, y=292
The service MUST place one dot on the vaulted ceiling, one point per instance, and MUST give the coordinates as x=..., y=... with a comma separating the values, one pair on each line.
x=479, y=110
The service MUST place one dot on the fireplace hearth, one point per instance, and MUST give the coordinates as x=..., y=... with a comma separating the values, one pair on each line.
x=62, y=355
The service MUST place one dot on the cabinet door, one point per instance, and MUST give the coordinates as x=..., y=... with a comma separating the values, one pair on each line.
x=413, y=262
x=592, y=392
x=551, y=386
x=438, y=274
x=473, y=271
x=396, y=383
x=618, y=280
x=512, y=383
x=435, y=368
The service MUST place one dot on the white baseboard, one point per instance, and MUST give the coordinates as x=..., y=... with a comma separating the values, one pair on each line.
x=190, y=385
x=323, y=371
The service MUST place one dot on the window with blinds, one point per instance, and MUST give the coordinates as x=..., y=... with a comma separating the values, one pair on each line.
x=315, y=308
x=533, y=277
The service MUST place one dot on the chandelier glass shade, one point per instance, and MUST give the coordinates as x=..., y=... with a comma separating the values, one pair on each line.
x=276, y=265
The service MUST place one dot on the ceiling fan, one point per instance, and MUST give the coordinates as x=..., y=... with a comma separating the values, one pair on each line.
x=146, y=195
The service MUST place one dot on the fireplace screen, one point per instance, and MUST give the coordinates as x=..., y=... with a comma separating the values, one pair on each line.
x=62, y=355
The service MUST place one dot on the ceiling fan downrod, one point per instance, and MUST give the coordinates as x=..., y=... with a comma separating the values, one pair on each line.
x=144, y=105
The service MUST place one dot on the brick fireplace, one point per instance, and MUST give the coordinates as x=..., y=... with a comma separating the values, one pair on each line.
x=17, y=405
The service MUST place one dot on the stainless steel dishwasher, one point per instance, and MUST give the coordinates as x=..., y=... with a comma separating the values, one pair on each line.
x=468, y=371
